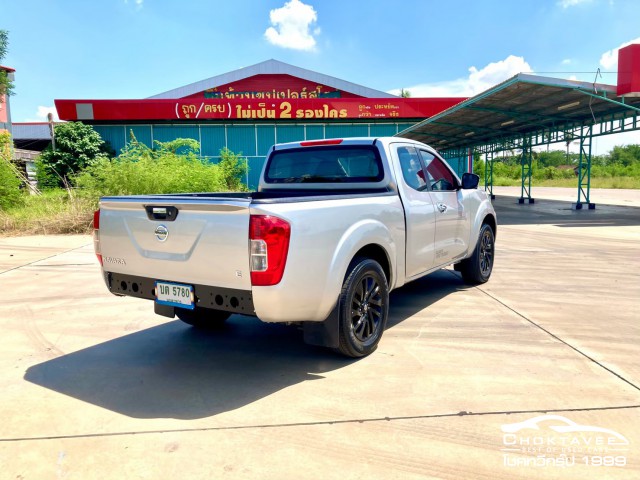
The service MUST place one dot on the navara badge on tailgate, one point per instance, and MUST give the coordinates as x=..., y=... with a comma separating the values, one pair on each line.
x=162, y=233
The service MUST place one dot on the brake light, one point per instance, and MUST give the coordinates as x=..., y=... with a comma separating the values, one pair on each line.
x=268, y=249
x=314, y=143
x=96, y=235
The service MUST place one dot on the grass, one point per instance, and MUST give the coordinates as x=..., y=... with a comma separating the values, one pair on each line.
x=140, y=170
x=53, y=212
x=599, y=182
x=64, y=212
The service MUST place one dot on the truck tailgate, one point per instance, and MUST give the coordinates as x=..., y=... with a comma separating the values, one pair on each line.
x=202, y=241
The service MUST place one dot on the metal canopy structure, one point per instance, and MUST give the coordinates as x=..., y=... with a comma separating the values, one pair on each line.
x=527, y=111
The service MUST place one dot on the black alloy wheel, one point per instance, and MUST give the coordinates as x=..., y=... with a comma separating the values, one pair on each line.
x=363, y=307
x=366, y=308
x=478, y=267
x=486, y=252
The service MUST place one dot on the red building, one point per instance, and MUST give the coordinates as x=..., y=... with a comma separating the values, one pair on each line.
x=250, y=109
x=5, y=107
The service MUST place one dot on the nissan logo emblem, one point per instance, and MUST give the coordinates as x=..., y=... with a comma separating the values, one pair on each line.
x=162, y=233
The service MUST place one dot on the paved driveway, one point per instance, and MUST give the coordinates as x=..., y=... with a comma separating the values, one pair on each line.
x=95, y=386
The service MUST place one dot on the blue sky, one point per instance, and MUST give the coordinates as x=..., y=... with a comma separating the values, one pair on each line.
x=137, y=48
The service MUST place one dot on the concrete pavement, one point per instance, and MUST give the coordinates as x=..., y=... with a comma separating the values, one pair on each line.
x=95, y=386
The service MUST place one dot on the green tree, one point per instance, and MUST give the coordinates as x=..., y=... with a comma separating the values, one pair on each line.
x=405, y=93
x=76, y=146
x=625, y=155
x=6, y=86
x=554, y=158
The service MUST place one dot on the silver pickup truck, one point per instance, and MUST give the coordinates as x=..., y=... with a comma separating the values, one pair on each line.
x=334, y=226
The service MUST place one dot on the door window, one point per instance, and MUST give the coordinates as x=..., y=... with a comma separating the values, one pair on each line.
x=440, y=177
x=412, y=171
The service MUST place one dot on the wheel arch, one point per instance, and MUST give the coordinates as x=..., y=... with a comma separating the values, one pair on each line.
x=490, y=219
x=375, y=252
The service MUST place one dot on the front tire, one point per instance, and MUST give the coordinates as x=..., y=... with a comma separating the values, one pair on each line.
x=203, y=318
x=477, y=268
x=363, y=308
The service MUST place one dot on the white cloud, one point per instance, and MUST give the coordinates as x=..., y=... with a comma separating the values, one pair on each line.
x=566, y=61
x=477, y=81
x=41, y=115
x=291, y=26
x=609, y=60
x=138, y=3
x=572, y=3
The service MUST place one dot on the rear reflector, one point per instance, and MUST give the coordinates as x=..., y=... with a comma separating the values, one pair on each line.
x=96, y=235
x=314, y=143
x=268, y=249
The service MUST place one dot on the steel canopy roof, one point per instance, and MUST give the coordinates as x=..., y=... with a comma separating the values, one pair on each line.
x=523, y=106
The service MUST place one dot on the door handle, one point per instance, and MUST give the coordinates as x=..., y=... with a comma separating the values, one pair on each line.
x=442, y=207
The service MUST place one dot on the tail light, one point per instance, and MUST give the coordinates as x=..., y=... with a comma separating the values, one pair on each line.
x=316, y=143
x=96, y=235
x=268, y=248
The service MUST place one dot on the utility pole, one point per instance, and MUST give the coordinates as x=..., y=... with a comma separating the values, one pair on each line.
x=52, y=131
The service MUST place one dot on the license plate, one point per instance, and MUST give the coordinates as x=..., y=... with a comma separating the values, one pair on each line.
x=175, y=295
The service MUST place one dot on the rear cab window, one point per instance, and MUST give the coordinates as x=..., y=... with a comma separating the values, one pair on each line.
x=330, y=164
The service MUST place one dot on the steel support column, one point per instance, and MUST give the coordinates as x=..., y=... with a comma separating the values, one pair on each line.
x=584, y=169
x=488, y=175
x=526, y=159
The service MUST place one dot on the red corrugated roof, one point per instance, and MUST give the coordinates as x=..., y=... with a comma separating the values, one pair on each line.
x=8, y=69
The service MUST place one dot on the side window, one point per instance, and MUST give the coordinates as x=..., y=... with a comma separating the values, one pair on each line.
x=411, y=168
x=440, y=177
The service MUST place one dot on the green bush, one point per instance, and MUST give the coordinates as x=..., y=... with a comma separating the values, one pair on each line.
x=551, y=173
x=10, y=193
x=478, y=168
x=139, y=170
x=46, y=176
x=506, y=171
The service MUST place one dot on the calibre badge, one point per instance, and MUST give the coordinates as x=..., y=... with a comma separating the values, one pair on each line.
x=115, y=260
x=162, y=233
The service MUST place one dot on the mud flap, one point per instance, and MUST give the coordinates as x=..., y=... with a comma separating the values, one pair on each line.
x=164, y=310
x=324, y=334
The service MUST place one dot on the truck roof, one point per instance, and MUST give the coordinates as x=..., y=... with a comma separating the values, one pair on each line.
x=343, y=141
x=317, y=169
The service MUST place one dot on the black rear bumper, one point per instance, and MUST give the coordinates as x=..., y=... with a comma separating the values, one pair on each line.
x=206, y=296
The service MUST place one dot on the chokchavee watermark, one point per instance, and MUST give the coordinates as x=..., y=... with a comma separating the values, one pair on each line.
x=556, y=441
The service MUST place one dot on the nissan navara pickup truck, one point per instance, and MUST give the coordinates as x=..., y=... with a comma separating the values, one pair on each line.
x=333, y=227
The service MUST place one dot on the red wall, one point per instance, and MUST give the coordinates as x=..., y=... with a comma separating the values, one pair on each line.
x=3, y=109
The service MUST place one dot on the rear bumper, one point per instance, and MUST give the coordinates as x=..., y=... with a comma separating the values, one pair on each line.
x=216, y=298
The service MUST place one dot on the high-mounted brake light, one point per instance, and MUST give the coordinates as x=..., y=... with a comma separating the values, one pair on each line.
x=96, y=235
x=268, y=249
x=314, y=143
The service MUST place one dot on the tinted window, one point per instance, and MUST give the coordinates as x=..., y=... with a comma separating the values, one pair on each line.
x=325, y=165
x=411, y=168
x=440, y=177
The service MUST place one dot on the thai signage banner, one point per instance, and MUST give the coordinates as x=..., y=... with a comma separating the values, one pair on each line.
x=253, y=110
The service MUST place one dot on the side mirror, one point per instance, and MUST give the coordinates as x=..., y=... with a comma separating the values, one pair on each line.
x=470, y=181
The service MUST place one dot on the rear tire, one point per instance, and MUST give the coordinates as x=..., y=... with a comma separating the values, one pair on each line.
x=477, y=268
x=363, y=308
x=203, y=318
